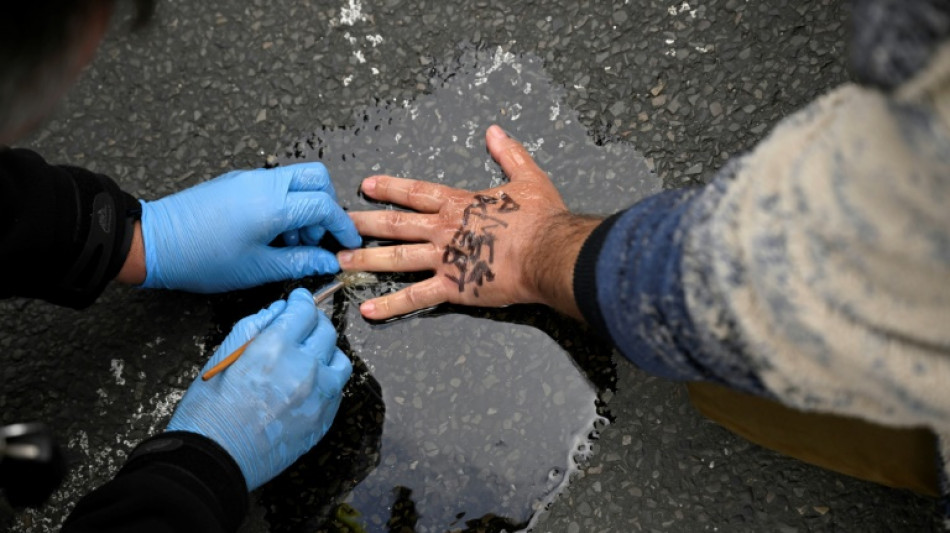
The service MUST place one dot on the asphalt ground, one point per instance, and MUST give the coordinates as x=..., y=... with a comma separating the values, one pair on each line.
x=218, y=85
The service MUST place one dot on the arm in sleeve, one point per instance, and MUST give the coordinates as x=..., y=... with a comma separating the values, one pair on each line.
x=174, y=482
x=815, y=269
x=65, y=232
x=628, y=284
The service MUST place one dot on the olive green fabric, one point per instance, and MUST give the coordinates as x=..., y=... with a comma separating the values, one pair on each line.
x=896, y=457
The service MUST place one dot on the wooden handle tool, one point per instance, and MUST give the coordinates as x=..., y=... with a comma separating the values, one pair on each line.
x=320, y=296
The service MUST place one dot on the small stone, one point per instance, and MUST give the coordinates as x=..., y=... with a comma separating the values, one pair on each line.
x=674, y=105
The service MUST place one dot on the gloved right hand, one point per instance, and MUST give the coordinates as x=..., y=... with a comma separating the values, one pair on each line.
x=215, y=236
x=279, y=398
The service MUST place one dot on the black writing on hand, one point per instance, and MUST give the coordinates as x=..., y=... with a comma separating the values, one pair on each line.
x=472, y=252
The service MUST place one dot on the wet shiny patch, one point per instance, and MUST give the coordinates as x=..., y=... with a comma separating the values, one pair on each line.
x=456, y=418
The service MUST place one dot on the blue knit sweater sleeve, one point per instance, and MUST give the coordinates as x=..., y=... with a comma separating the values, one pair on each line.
x=629, y=286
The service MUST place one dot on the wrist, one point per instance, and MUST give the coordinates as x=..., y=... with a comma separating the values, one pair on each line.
x=133, y=269
x=549, y=263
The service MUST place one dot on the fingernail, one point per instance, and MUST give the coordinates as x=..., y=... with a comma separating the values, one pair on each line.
x=369, y=185
x=344, y=257
x=367, y=308
x=495, y=131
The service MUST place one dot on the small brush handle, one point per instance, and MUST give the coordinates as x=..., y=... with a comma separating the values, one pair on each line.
x=226, y=362
x=319, y=297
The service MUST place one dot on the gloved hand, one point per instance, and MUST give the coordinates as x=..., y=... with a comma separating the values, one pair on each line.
x=214, y=236
x=279, y=398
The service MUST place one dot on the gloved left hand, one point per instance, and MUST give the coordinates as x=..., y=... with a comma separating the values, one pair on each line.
x=278, y=400
x=214, y=236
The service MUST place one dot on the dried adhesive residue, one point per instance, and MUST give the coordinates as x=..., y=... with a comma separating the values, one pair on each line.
x=458, y=419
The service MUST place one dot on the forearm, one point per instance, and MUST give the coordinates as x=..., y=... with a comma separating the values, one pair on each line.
x=64, y=232
x=822, y=259
x=628, y=285
x=808, y=270
x=171, y=483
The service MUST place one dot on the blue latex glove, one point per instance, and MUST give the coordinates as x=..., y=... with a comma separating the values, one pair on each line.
x=279, y=398
x=214, y=236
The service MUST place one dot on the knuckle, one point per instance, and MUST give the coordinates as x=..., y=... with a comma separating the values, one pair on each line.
x=417, y=190
x=384, y=306
x=523, y=173
x=398, y=255
x=346, y=367
x=412, y=297
x=394, y=220
x=518, y=154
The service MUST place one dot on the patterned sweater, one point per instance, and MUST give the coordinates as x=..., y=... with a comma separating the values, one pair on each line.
x=815, y=270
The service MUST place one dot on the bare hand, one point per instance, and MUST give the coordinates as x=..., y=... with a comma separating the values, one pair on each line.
x=487, y=248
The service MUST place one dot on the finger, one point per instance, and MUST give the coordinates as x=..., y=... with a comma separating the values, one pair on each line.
x=396, y=225
x=291, y=237
x=414, y=297
x=322, y=406
x=513, y=158
x=309, y=177
x=401, y=258
x=322, y=340
x=333, y=377
x=297, y=321
x=319, y=209
x=311, y=235
x=297, y=262
x=245, y=330
x=421, y=196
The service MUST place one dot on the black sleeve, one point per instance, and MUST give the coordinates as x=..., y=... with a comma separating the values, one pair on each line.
x=174, y=482
x=64, y=232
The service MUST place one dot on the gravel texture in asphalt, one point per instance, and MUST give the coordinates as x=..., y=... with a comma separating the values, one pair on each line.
x=486, y=413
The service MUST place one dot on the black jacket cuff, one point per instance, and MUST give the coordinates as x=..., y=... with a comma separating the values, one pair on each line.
x=201, y=466
x=585, y=276
x=106, y=224
x=65, y=232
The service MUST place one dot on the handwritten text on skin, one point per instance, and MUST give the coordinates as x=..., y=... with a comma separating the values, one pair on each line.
x=472, y=251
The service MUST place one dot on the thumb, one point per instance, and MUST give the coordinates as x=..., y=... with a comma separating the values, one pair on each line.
x=517, y=163
x=244, y=330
